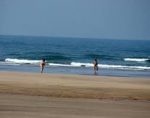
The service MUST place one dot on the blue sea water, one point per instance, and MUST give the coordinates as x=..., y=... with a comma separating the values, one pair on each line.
x=75, y=55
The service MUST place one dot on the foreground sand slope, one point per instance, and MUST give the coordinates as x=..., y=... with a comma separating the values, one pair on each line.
x=75, y=86
x=21, y=106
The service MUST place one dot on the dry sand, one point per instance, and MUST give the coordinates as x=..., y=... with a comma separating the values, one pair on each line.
x=20, y=106
x=75, y=86
x=33, y=95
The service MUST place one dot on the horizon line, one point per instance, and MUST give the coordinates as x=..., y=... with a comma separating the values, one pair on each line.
x=68, y=37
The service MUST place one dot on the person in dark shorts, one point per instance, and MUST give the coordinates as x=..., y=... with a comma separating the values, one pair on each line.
x=95, y=63
x=42, y=65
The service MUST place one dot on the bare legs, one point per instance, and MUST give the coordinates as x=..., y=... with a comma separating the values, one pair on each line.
x=95, y=70
x=42, y=68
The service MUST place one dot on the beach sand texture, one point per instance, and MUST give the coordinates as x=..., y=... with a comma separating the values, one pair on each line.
x=21, y=106
x=75, y=86
x=33, y=95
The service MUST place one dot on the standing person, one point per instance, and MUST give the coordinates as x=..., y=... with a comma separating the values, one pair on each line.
x=95, y=63
x=42, y=65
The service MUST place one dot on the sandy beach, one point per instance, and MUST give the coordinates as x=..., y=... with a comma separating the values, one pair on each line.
x=75, y=86
x=69, y=96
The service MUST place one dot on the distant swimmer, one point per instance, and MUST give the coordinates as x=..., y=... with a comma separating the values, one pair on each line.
x=42, y=65
x=95, y=63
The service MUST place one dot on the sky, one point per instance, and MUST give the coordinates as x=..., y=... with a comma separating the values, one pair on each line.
x=103, y=19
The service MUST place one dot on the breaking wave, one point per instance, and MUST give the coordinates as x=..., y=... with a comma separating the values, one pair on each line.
x=137, y=59
x=21, y=61
x=75, y=64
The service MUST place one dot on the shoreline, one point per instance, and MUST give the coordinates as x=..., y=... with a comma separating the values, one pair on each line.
x=76, y=71
x=75, y=86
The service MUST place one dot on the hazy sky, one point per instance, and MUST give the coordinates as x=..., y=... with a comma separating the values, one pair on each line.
x=121, y=19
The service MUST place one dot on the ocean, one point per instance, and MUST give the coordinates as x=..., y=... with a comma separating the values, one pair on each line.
x=75, y=55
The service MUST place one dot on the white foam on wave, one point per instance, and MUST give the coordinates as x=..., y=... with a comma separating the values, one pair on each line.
x=72, y=64
x=105, y=66
x=21, y=61
x=136, y=59
x=124, y=67
x=61, y=65
x=76, y=64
